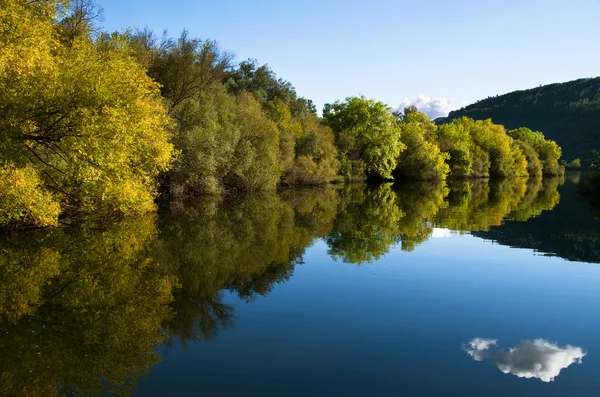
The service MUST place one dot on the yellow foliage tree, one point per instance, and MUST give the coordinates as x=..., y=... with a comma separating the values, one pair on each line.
x=84, y=116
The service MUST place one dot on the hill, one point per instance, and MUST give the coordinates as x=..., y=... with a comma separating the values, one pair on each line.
x=568, y=113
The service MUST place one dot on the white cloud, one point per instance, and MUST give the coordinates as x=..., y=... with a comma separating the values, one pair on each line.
x=432, y=107
x=530, y=359
x=480, y=344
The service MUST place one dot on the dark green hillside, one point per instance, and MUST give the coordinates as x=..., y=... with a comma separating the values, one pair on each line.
x=568, y=113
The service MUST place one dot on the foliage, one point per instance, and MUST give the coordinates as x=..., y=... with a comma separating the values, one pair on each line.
x=237, y=128
x=366, y=135
x=82, y=309
x=83, y=115
x=268, y=89
x=548, y=151
x=366, y=226
x=534, y=165
x=23, y=200
x=245, y=244
x=92, y=122
x=422, y=159
x=481, y=149
x=567, y=113
x=316, y=156
x=307, y=152
x=575, y=164
x=256, y=162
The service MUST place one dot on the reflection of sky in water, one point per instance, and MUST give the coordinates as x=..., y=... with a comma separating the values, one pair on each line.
x=441, y=233
x=530, y=359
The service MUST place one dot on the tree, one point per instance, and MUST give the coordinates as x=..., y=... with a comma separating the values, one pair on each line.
x=23, y=200
x=84, y=116
x=184, y=67
x=256, y=161
x=316, y=155
x=81, y=20
x=534, y=165
x=548, y=151
x=367, y=136
x=574, y=164
x=422, y=159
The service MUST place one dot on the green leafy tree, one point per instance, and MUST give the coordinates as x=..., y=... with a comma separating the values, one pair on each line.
x=316, y=159
x=422, y=159
x=256, y=160
x=455, y=140
x=534, y=165
x=207, y=136
x=548, y=151
x=367, y=136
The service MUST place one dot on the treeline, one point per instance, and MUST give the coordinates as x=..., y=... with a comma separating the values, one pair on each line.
x=96, y=123
x=567, y=113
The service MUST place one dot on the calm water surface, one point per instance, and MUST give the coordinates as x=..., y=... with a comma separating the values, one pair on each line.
x=469, y=289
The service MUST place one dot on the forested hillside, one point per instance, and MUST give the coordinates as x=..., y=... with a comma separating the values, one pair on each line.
x=568, y=113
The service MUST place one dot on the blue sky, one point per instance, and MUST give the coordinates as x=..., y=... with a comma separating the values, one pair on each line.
x=446, y=52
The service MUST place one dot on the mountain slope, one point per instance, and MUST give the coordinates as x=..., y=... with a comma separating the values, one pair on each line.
x=568, y=113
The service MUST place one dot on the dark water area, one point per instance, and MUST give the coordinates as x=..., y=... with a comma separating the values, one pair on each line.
x=472, y=288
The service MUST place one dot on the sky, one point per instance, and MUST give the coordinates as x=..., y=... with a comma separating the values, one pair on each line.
x=438, y=55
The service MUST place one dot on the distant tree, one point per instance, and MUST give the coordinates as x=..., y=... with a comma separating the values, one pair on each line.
x=534, y=165
x=574, y=164
x=548, y=151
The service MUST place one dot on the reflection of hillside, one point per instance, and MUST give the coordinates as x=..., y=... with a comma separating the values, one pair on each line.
x=569, y=230
x=591, y=191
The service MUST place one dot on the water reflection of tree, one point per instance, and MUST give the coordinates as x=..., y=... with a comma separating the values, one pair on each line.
x=420, y=202
x=370, y=221
x=367, y=224
x=81, y=309
x=242, y=244
x=568, y=231
x=541, y=195
x=85, y=308
x=481, y=204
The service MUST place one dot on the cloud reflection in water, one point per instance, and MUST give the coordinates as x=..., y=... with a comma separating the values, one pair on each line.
x=530, y=359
